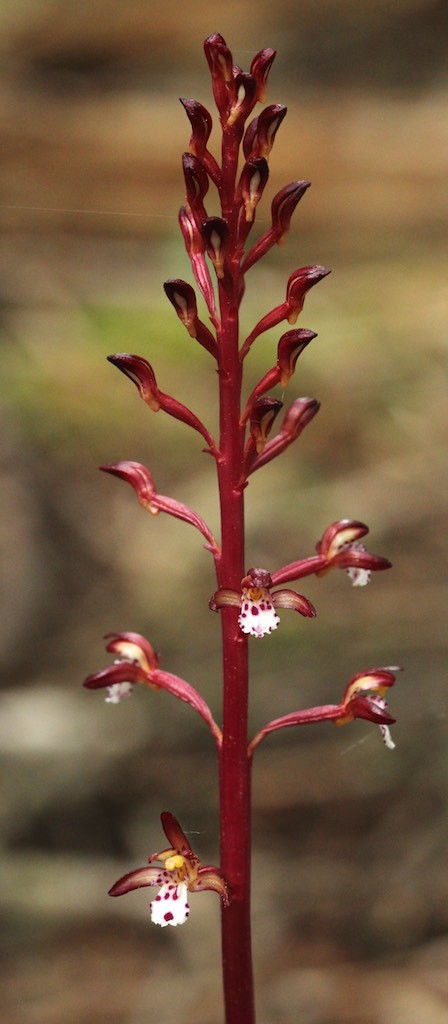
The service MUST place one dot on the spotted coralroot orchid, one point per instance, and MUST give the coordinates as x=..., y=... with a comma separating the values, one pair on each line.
x=220, y=211
x=257, y=603
x=178, y=873
x=137, y=662
x=338, y=547
x=364, y=697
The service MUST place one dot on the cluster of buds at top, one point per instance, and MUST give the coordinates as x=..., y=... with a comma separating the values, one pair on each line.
x=216, y=245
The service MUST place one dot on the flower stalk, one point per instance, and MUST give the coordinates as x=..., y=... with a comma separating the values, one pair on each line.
x=216, y=241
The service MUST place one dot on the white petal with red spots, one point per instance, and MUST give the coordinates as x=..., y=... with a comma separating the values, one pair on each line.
x=170, y=906
x=257, y=617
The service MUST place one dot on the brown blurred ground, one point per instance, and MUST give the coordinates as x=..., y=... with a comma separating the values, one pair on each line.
x=350, y=885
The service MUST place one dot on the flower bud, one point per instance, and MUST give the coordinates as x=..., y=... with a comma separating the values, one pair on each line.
x=283, y=206
x=260, y=68
x=299, y=414
x=215, y=233
x=220, y=62
x=142, y=375
x=195, y=247
x=139, y=478
x=253, y=180
x=201, y=123
x=245, y=99
x=290, y=347
x=197, y=184
x=260, y=133
x=263, y=414
x=298, y=285
x=183, y=298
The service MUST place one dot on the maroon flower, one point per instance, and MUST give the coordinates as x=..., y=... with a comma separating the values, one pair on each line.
x=364, y=697
x=137, y=662
x=338, y=547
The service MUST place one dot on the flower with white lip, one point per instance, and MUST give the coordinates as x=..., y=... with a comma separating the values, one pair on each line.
x=257, y=603
x=180, y=872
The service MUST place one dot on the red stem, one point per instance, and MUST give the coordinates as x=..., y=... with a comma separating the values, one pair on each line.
x=234, y=763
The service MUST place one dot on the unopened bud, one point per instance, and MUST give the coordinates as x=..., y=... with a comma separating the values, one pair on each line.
x=260, y=133
x=215, y=233
x=253, y=180
x=260, y=68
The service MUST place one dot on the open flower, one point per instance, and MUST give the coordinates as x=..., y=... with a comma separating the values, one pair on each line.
x=137, y=662
x=179, y=873
x=339, y=547
x=257, y=603
x=364, y=697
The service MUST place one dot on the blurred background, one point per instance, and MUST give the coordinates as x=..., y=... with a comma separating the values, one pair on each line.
x=350, y=881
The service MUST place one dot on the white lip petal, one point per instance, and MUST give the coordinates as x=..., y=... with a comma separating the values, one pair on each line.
x=387, y=738
x=170, y=906
x=257, y=618
x=118, y=692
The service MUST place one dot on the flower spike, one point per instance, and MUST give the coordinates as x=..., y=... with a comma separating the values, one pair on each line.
x=179, y=873
x=137, y=662
x=257, y=603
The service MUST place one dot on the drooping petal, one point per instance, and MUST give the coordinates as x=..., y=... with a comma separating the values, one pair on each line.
x=224, y=599
x=211, y=878
x=170, y=906
x=296, y=602
x=138, y=879
x=372, y=709
x=116, y=674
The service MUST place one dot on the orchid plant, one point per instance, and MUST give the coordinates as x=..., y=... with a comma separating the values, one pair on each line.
x=248, y=599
